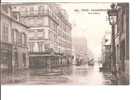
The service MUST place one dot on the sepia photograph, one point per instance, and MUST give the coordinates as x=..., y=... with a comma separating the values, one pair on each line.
x=64, y=43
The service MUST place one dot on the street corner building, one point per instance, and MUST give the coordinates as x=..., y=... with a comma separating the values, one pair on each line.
x=13, y=41
x=38, y=44
x=50, y=41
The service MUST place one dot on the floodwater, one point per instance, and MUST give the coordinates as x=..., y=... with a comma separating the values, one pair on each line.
x=81, y=75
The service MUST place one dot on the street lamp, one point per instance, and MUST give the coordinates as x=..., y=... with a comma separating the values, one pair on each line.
x=112, y=14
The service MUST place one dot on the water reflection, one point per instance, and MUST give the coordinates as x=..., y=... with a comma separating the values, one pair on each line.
x=88, y=75
x=81, y=75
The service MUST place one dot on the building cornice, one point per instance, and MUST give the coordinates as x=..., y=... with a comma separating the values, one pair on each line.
x=12, y=19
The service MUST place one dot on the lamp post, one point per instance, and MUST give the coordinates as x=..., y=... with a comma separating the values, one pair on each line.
x=112, y=14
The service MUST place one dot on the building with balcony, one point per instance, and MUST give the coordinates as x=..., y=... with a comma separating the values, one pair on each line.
x=13, y=41
x=122, y=42
x=49, y=35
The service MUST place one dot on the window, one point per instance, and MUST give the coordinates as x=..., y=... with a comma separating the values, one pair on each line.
x=16, y=15
x=5, y=8
x=122, y=22
x=26, y=12
x=31, y=46
x=14, y=36
x=19, y=36
x=40, y=46
x=23, y=11
x=16, y=59
x=122, y=54
x=65, y=27
x=41, y=10
x=24, y=39
x=52, y=25
x=31, y=10
x=117, y=53
x=55, y=27
x=5, y=32
x=50, y=35
x=46, y=46
x=24, y=59
x=119, y=24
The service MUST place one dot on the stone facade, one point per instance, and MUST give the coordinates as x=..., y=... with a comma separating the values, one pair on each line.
x=49, y=33
x=122, y=42
x=14, y=51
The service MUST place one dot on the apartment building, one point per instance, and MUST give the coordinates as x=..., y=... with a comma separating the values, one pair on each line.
x=49, y=33
x=13, y=41
x=80, y=50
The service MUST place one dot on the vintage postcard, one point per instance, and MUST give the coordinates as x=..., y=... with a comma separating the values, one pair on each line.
x=64, y=43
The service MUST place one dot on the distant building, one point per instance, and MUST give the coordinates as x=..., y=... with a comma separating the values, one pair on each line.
x=90, y=54
x=13, y=41
x=50, y=41
x=80, y=50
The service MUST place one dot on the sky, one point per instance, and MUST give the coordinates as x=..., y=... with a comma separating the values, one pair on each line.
x=90, y=24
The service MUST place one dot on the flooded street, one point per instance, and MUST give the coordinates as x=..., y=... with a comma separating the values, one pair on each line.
x=63, y=43
x=81, y=75
x=46, y=45
x=90, y=75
